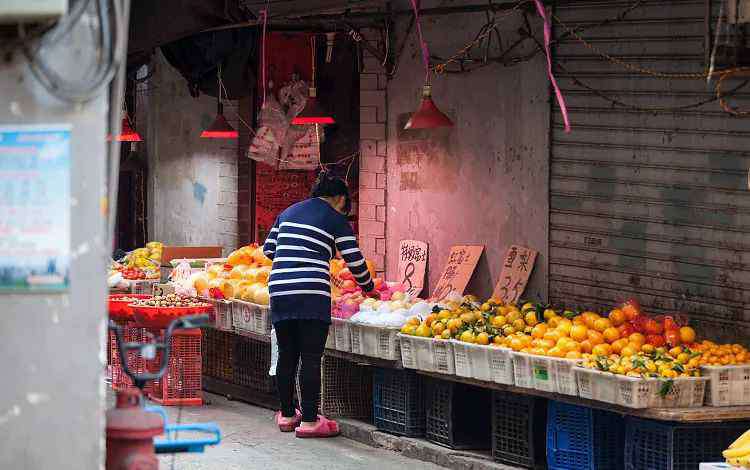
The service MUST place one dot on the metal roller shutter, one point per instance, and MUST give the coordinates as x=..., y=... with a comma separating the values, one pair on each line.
x=648, y=204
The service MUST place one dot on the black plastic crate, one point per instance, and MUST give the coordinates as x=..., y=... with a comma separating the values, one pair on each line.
x=217, y=352
x=519, y=429
x=250, y=363
x=398, y=402
x=346, y=389
x=677, y=446
x=582, y=438
x=457, y=415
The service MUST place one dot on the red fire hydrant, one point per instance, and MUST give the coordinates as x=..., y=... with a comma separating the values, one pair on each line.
x=130, y=434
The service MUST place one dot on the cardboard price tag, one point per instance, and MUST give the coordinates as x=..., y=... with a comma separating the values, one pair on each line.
x=163, y=289
x=412, y=264
x=517, y=266
x=462, y=261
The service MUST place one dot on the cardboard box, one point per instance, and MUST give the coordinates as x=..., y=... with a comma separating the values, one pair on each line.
x=188, y=252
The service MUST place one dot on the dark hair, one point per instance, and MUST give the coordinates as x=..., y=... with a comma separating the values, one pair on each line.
x=328, y=185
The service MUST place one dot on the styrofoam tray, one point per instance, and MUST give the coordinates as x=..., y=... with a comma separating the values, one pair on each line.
x=488, y=363
x=727, y=385
x=427, y=354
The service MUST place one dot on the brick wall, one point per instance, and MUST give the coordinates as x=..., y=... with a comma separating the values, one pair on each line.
x=372, y=169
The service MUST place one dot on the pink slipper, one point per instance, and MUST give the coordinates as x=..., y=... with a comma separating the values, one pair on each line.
x=325, y=428
x=288, y=424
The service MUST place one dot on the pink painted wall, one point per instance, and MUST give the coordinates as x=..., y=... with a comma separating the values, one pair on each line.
x=483, y=182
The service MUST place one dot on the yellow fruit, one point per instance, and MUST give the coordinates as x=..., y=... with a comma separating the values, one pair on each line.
x=486, y=307
x=527, y=306
x=467, y=337
x=618, y=345
x=589, y=318
x=454, y=324
x=648, y=348
x=674, y=352
x=556, y=352
x=467, y=317
x=549, y=313
x=601, y=324
x=446, y=334
x=573, y=355
x=531, y=318
x=564, y=326
x=483, y=338
x=516, y=344
x=513, y=315
x=499, y=321
x=579, y=332
x=586, y=346
x=617, y=317
x=546, y=344
x=519, y=324
x=683, y=358
x=438, y=328
x=413, y=321
x=552, y=335
x=601, y=349
x=554, y=322
x=539, y=330
x=423, y=330
x=595, y=337
x=637, y=338
x=635, y=346
x=499, y=340
x=687, y=335
x=611, y=334
x=628, y=351
x=444, y=315
x=430, y=319
x=409, y=330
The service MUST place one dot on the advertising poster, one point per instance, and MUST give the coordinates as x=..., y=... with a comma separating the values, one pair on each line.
x=34, y=208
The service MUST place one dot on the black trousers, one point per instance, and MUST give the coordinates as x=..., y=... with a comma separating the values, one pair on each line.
x=300, y=340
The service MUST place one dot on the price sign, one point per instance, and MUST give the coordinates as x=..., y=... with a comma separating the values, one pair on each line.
x=163, y=289
x=412, y=263
x=462, y=261
x=517, y=266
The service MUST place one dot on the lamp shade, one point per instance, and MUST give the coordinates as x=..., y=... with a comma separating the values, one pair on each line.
x=127, y=133
x=428, y=116
x=220, y=128
x=313, y=112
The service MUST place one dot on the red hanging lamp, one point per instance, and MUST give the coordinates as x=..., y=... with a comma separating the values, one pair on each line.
x=428, y=116
x=127, y=133
x=313, y=112
x=220, y=128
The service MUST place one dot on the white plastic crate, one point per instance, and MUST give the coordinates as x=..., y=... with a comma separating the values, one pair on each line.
x=143, y=286
x=637, y=392
x=727, y=385
x=330, y=339
x=427, y=354
x=342, y=334
x=717, y=466
x=472, y=360
x=223, y=311
x=597, y=385
x=552, y=374
x=243, y=316
x=375, y=341
x=364, y=339
x=522, y=372
x=501, y=365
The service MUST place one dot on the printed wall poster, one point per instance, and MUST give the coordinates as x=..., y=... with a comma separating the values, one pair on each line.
x=34, y=207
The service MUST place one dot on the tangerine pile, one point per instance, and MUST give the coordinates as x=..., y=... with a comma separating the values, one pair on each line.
x=713, y=354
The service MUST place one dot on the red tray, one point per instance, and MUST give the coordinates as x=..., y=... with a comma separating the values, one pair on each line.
x=119, y=309
x=161, y=317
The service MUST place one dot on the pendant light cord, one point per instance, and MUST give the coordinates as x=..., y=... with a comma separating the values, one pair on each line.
x=312, y=49
x=547, y=38
x=422, y=43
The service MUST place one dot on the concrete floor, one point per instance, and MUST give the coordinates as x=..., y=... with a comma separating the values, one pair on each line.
x=250, y=440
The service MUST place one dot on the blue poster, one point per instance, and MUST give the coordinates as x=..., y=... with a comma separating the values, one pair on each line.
x=34, y=208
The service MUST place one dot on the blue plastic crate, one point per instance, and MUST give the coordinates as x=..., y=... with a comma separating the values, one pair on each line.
x=398, y=402
x=676, y=446
x=581, y=438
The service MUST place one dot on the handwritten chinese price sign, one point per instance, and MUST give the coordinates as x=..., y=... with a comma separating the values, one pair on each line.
x=517, y=267
x=412, y=263
x=462, y=261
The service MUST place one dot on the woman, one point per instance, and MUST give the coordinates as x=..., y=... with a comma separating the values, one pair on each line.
x=301, y=244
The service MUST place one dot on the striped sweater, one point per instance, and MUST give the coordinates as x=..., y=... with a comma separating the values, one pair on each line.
x=301, y=244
